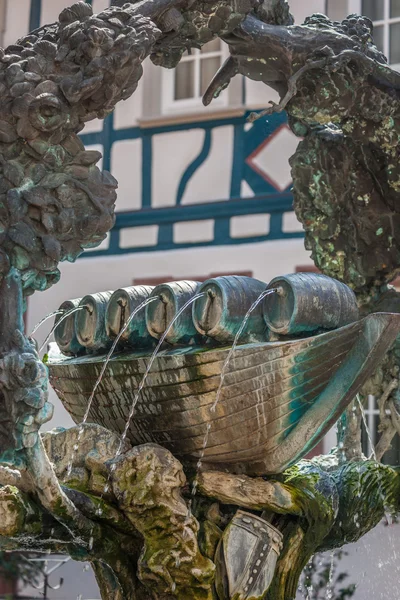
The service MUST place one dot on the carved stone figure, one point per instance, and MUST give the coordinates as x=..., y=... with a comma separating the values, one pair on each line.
x=133, y=512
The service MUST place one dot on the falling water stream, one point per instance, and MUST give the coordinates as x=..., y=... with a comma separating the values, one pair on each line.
x=65, y=316
x=388, y=515
x=329, y=587
x=101, y=375
x=367, y=429
x=221, y=381
x=52, y=314
x=111, y=352
x=144, y=378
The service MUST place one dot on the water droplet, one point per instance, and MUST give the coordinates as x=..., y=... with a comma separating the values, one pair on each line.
x=173, y=586
x=91, y=540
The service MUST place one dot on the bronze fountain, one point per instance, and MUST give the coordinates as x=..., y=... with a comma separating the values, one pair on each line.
x=206, y=493
x=285, y=387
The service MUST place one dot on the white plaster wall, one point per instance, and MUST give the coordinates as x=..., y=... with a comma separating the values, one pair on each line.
x=17, y=20
x=99, y=5
x=301, y=9
x=126, y=166
x=249, y=225
x=172, y=154
x=258, y=95
x=212, y=180
x=51, y=9
x=338, y=9
x=128, y=112
x=93, y=126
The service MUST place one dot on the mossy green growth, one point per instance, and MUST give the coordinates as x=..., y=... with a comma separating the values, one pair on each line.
x=359, y=512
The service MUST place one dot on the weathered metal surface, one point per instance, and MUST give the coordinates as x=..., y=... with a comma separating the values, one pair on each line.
x=65, y=332
x=24, y=405
x=220, y=313
x=121, y=305
x=147, y=484
x=277, y=402
x=281, y=397
x=308, y=302
x=90, y=322
x=304, y=303
x=160, y=314
x=246, y=557
x=54, y=201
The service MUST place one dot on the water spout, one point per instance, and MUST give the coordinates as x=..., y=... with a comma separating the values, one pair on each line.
x=65, y=316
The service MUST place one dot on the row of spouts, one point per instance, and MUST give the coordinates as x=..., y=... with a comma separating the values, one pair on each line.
x=216, y=316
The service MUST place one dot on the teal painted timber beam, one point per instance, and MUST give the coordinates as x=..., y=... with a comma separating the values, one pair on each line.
x=220, y=212
x=35, y=14
x=278, y=203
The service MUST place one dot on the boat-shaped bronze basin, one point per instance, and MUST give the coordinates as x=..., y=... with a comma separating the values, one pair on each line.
x=278, y=398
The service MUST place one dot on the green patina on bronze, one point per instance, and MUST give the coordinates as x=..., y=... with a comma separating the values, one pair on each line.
x=132, y=522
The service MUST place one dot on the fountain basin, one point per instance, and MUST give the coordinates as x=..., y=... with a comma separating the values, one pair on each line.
x=278, y=399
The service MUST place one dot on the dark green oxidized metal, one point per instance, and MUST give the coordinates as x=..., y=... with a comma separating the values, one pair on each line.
x=309, y=302
x=91, y=324
x=122, y=304
x=220, y=313
x=24, y=405
x=160, y=314
x=65, y=332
